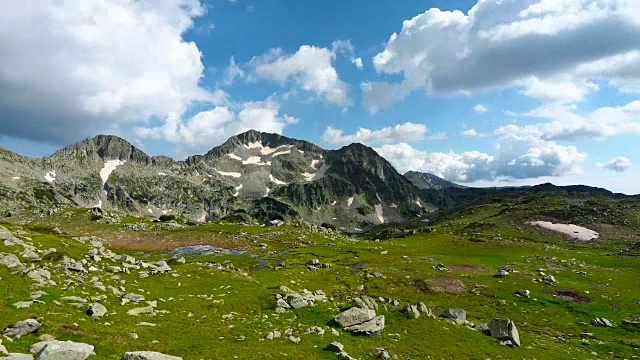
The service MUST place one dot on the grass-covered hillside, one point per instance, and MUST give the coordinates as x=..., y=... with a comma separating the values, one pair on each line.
x=228, y=302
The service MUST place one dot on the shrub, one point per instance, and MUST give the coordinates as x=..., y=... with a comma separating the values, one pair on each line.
x=164, y=218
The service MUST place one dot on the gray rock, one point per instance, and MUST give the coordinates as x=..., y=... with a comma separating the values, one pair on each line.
x=61, y=350
x=373, y=326
x=148, y=355
x=504, y=329
x=550, y=279
x=97, y=310
x=74, y=299
x=22, y=304
x=354, y=316
x=502, y=273
x=412, y=310
x=345, y=356
x=335, y=347
x=30, y=255
x=364, y=302
x=14, y=356
x=141, y=311
x=10, y=261
x=523, y=293
x=602, y=322
x=458, y=316
x=423, y=308
x=22, y=328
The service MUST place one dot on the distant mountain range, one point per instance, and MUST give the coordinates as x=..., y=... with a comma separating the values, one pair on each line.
x=264, y=176
x=252, y=175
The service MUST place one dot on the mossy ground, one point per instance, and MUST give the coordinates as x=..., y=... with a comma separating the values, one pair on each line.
x=473, y=243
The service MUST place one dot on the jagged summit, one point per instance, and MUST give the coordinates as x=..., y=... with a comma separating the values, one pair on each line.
x=267, y=176
x=103, y=148
x=257, y=139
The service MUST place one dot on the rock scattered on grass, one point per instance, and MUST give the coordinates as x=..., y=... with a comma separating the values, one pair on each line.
x=505, y=330
x=22, y=328
x=148, y=355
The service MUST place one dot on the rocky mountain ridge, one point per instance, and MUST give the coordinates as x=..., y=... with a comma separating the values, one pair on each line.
x=267, y=176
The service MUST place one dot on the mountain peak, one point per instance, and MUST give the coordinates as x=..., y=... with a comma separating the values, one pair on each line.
x=426, y=181
x=104, y=147
x=260, y=139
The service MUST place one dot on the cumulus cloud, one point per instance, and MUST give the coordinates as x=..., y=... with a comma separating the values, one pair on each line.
x=311, y=68
x=212, y=127
x=565, y=124
x=498, y=44
x=473, y=133
x=619, y=164
x=74, y=68
x=519, y=156
x=480, y=109
x=392, y=134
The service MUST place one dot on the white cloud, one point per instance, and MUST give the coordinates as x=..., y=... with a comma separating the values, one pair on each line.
x=311, y=68
x=470, y=133
x=358, y=63
x=393, y=134
x=519, y=156
x=566, y=124
x=619, y=164
x=480, y=109
x=209, y=128
x=458, y=167
x=233, y=71
x=74, y=68
x=499, y=44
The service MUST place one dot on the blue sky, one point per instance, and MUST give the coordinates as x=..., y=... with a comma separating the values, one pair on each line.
x=482, y=92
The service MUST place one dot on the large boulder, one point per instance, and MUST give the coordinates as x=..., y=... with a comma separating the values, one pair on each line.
x=458, y=316
x=64, y=350
x=22, y=328
x=504, y=329
x=148, y=355
x=354, y=316
x=371, y=327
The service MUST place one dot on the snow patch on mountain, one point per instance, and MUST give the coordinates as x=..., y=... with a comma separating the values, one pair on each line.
x=349, y=201
x=108, y=168
x=318, y=174
x=50, y=176
x=380, y=213
x=254, y=145
x=234, y=157
x=284, y=152
x=238, y=188
x=276, y=181
x=232, y=174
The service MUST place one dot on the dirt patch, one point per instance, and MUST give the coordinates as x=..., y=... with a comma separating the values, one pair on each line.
x=72, y=329
x=464, y=268
x=442, y=284
x=153, y=242
x=572, y=295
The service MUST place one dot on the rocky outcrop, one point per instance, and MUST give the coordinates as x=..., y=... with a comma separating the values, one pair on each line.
x=148, y=355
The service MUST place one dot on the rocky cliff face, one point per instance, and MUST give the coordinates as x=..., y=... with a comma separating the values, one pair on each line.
x=426, y=181
x=268, y=176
